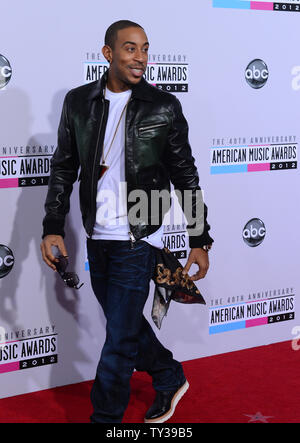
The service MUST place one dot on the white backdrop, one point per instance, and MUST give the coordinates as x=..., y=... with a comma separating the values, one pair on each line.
x=52, y=336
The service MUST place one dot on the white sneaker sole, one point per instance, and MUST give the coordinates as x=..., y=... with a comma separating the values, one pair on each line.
x=179, y=394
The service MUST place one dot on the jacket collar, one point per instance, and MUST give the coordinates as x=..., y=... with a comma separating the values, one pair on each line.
x=140, y=91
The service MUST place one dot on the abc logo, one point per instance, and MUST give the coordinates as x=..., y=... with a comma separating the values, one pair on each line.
x=6, y=260
x=254, y=232
x=257, y=74
x=5, y=71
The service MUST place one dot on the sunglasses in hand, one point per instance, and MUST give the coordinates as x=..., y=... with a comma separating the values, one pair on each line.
x=70, y=278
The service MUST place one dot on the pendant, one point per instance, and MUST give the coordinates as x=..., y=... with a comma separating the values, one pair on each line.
x=102, y=170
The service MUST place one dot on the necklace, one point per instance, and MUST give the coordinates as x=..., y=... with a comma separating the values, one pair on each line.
x=103, y=166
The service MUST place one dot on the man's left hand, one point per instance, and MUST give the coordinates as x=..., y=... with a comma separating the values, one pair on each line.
x=200, y=257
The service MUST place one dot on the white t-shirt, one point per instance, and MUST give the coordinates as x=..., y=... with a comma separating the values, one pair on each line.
x=111, y=217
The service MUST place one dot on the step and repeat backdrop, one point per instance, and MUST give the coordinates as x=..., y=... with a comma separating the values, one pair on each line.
x=235, y=67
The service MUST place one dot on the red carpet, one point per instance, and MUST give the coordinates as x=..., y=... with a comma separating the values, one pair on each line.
x=255, y=385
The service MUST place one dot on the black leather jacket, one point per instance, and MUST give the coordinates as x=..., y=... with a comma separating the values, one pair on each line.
x=157, y=151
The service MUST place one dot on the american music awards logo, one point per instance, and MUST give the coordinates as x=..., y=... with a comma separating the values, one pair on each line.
x=169, y=72
x=261, y=5
x=250, y=310
x=175, y=238
x=94, y=66
x=23, y=166
x=253, y=154
x=25, y=349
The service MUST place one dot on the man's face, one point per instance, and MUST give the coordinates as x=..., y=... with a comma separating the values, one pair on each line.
x=129, y=56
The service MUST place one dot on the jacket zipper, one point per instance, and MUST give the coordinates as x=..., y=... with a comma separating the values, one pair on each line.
x=132, y=237
x=157, y=125
x=95, y=157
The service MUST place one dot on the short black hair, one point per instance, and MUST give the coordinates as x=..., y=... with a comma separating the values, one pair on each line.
x=111, y=33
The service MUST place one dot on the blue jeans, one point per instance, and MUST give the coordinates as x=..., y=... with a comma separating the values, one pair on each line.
x=120, y=278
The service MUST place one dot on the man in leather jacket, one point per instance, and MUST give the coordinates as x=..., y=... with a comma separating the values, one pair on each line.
x=146, y=145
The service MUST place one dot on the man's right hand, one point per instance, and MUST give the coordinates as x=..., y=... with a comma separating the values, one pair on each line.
x=46, y=248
